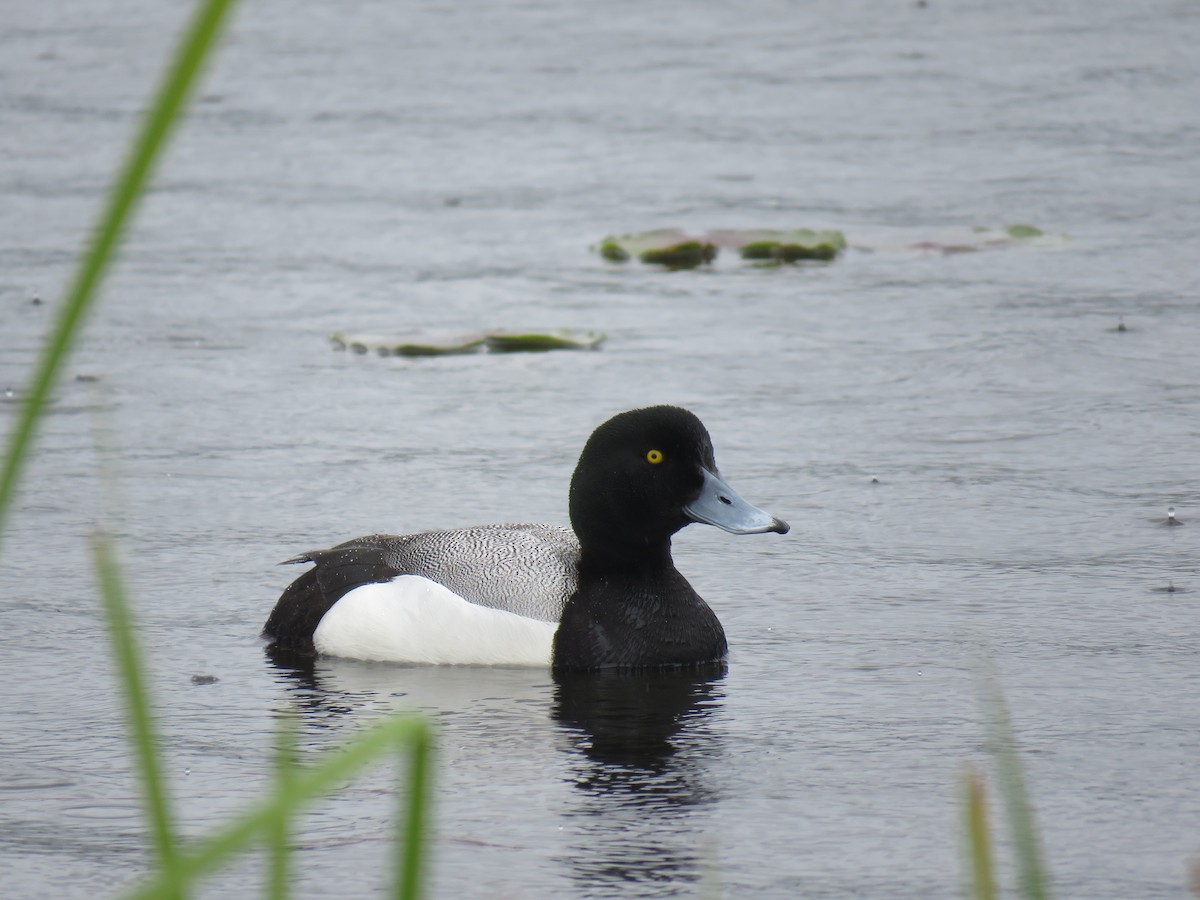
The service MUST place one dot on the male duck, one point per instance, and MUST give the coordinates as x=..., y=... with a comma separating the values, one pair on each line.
x=606, y=597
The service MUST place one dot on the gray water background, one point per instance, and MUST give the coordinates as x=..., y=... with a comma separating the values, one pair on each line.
x=382, y=167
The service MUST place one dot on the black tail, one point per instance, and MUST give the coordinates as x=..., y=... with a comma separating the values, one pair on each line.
x=307, y=599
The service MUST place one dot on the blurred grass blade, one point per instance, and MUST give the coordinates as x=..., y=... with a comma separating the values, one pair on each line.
x=277, y=841
x=122, y=197
x=129, y=670
x=305, y=786
x=710, y=871
x=1019, y=811
x=979, y=850
x=410, y=845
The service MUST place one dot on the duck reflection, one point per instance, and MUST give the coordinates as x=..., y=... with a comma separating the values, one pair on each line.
x=307, y=697
x=631, y=718
x=641, y=748
x=636, y=754
x=460, y=700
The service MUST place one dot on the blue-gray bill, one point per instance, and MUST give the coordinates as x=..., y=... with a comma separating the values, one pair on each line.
x=720, y=505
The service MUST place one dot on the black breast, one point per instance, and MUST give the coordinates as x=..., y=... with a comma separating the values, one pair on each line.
x=635, y=619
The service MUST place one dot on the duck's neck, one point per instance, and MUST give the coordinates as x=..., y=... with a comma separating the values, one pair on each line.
x=637, y=560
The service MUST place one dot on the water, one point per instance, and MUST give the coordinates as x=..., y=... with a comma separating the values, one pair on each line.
x=385, y=169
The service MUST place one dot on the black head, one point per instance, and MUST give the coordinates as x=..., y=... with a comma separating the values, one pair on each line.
x=642, y=476
x=636, y=478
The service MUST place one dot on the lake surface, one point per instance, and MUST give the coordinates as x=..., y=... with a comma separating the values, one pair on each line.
x=976, y=462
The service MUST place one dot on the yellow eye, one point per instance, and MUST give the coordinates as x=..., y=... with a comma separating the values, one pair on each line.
x=654, y=457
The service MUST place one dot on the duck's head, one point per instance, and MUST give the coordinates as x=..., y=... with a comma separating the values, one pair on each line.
x=645, y=474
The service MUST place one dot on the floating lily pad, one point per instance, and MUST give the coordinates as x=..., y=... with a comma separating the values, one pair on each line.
x=611, y=250
x=760, y=250
x=675, y=249
x=684, y=255
x=981, y=238
x=621, y=247
x=408, y=346
x=541, y=341
x=789, y=246
x=495, y=341
x=790, y=253
x=946, y=249
x=668, y=247
x=739, y=238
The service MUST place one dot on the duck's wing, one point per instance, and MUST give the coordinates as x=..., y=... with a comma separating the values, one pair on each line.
x=529, y=570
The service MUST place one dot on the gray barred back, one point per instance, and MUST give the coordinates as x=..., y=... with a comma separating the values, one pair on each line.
x=527, y=569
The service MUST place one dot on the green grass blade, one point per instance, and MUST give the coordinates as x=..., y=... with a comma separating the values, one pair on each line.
x=1031, y=870
x=141, y=723
x=413, y=813
x=395, y=733
x=277, y=841
x=979, y=850
x=130, y=183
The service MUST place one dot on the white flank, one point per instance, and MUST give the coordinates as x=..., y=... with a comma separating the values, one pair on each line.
x=413, y=619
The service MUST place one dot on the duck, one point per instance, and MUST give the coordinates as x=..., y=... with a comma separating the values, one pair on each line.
x=603, y=594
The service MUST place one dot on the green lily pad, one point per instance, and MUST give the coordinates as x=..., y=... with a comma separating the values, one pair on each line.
x=1023, y=231
x=790, y=253
x=822, y=246
x=668, y=247
x=495, y=341
x=685, y=255
x=946, y=249
x=408, y=346
x=760, y=250
x=784, y=246
x=611, y=250
x=675, y=249
x=981, y=238
x=620, y=247
x=541, y=341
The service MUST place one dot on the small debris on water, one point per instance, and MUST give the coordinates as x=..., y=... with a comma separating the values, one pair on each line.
x=1169, y=588
x=205, y=679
